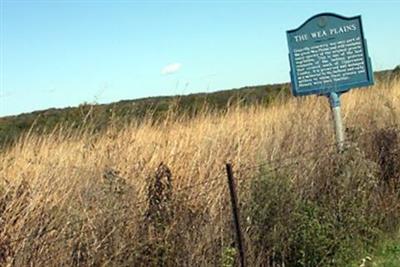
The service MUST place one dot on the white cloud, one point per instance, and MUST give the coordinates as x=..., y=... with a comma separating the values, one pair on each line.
x=171, y=68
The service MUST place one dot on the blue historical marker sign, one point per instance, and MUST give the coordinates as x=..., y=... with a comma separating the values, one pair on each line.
x=328, y=53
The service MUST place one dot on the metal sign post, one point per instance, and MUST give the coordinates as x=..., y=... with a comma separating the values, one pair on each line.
x=328, y=56
x=334, y=100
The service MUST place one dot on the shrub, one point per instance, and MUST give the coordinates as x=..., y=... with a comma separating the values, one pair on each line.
x=322, y=223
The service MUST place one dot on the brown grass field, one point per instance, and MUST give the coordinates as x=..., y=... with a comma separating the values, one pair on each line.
x=77, y=198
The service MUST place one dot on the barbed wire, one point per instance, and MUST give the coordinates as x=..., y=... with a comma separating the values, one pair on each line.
x=310, y=151
x=264, y=172
x=186, y=188
x=115, y=225
x=282, y=163
x=115, y=212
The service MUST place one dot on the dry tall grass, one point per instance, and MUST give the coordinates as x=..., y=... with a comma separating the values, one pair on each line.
x=70, y=198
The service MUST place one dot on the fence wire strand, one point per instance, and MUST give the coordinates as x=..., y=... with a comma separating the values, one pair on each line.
x=116, y=224
x=116, y=212
x=347, y=142
x=216, y=182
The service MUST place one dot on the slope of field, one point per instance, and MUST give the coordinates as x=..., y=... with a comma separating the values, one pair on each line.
x=100, y=115
x=155, y=194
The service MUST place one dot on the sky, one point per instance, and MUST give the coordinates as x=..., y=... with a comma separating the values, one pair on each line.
x=59, y=53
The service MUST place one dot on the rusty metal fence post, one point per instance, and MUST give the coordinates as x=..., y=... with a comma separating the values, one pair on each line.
x=235, y=213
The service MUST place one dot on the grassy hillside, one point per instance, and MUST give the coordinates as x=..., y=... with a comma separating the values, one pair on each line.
x=100, y=116
x=155, y=194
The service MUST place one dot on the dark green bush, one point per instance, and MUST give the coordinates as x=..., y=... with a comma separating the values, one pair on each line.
x=324, y=222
